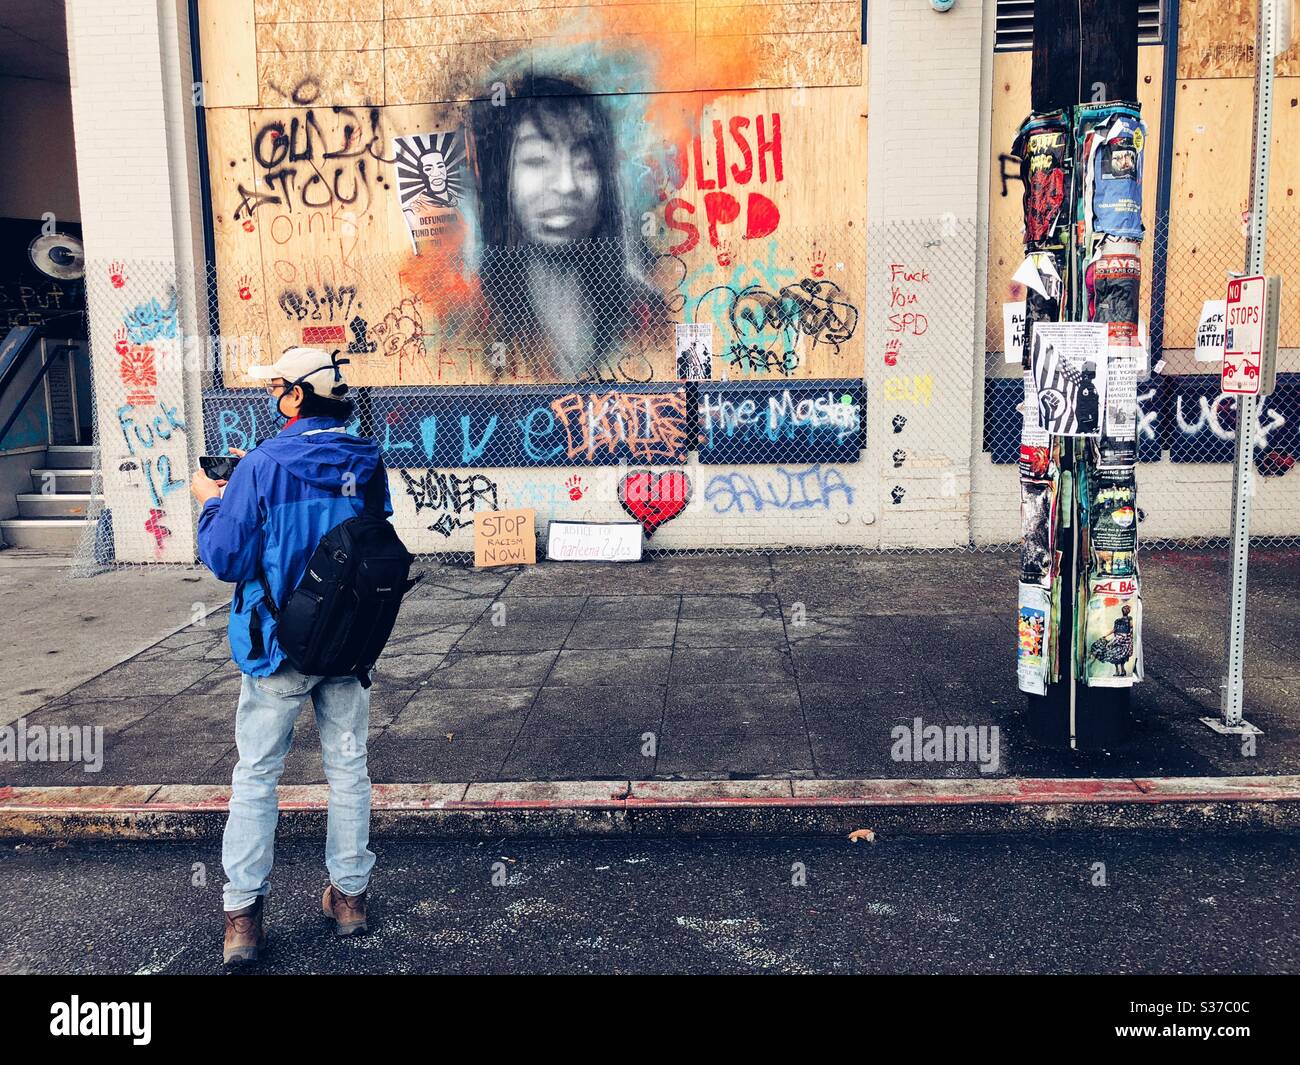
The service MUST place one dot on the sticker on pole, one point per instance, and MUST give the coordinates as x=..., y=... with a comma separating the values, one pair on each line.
x=1246, y=334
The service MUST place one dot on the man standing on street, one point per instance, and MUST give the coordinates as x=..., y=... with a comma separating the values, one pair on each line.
x=282, y=497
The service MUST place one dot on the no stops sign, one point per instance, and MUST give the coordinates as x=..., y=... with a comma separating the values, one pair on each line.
x=1250, y=336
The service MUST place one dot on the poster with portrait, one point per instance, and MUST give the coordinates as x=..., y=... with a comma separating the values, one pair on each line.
x=1069, y=368
x=430, y=181
x=1113, y=638
x=694, y=351
x=1113, y=283
x=1115, y=177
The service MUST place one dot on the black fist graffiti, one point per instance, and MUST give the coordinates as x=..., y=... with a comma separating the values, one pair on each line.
x=898, y=421
x=1050, y=404
x=897, y=494
x=899, y=457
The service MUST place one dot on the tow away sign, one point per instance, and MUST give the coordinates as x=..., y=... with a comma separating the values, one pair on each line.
x=1250, y=336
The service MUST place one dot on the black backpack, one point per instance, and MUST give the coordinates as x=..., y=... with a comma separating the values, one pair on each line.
x=340, y=615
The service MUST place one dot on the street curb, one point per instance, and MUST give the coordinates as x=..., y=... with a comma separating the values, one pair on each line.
x=666, y=808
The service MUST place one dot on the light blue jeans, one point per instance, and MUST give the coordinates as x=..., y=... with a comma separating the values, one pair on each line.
x=268, y=707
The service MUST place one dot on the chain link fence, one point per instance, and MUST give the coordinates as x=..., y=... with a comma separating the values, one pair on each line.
x=805, y=392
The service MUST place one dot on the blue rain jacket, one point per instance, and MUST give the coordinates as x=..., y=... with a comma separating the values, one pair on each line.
x=282, y=498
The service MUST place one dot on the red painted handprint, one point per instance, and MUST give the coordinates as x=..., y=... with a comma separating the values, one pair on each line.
x=818, y=261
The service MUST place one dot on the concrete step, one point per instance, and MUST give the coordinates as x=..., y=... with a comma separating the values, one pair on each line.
x=31, y=557
x=70, y=456
x=46, y=534
x=47, y=480
x=55, y=504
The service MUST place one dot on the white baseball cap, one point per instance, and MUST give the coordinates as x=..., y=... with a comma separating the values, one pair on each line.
x=314, y=366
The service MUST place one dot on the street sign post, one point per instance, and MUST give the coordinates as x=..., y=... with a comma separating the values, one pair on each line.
x=1250, y=291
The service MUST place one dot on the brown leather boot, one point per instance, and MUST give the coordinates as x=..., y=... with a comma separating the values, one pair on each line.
x=245, y=936
x=348, y=912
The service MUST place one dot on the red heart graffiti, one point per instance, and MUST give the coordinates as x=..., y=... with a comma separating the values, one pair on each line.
x=653, y=499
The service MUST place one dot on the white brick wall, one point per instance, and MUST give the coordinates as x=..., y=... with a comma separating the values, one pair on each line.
x=138, y=183
x=117, y=102
x=926, y=157
x=731, y=507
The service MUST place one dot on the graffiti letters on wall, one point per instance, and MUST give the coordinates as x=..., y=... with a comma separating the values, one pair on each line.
x=450, y=499
x=152, y=456
x=458, y=429
x=755, y=422
x=1187, y=416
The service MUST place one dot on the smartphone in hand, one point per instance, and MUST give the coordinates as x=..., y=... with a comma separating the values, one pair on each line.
x=218, y=467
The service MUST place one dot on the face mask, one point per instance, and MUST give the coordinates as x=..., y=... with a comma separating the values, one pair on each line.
x=278, y=412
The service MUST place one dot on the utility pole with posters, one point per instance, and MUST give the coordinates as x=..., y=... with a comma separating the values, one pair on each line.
x=1081, y=152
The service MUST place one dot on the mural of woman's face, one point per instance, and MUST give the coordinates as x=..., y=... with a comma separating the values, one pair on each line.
x=434, y=168
x=554, y=184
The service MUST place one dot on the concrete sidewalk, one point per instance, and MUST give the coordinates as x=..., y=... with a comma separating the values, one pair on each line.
x=789, y=667
x=61, y=631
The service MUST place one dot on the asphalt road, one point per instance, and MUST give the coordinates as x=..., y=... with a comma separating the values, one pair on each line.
x=1202, y=904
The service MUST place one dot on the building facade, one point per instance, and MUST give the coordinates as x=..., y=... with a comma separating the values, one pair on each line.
x=733, y=270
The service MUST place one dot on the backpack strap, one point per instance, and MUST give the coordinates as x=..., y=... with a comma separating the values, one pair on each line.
x=372, y=504
x=372, y=501
x=256, y=643
x=372, y=494
x=266, y=590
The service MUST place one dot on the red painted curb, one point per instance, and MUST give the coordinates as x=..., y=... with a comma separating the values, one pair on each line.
x=74, y=801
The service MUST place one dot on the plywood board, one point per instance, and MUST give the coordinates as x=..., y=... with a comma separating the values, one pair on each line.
x=352, y=36
x=318, y=10
x=732, y=226
x=338, y=79
x=1211, y=198
x=409, y=52
x=437, y=73
x=228, y=47
x=1216, y=39
x=324, y=264
x=467, y=28
x=240, y=288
